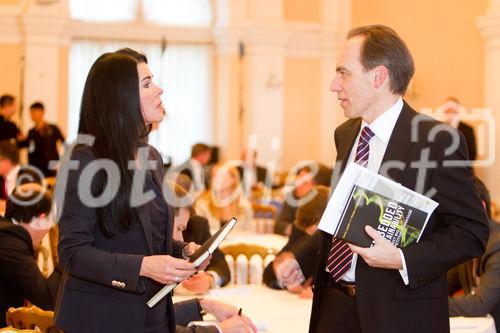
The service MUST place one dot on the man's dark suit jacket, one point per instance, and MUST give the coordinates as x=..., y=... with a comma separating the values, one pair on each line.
x=20, y=277
x=198, y=231
x=101, y=289
x=260, y=173
x=486, y=296
x=457, y=231
x=8, y=130
x=470, y=138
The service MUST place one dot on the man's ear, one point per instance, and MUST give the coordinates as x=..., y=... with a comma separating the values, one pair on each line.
x=381, y=76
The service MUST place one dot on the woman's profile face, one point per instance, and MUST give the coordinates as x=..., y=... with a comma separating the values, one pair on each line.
x=150, y=93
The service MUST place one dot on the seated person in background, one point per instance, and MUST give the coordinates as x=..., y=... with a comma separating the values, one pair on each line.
x=11, y=172
x=305, y=225
x=189, y=317
x=25, y=224
x=224, y=200
x=480, y=277
x=195, y=167
x=228, y=319
x=251, y=174
x=451, y=114
x=42, y=141
x=303, y=185
x=216, y=274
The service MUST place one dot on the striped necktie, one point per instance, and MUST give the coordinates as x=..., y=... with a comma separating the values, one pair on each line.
x=340, y=255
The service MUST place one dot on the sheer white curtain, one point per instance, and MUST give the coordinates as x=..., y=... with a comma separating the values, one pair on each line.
x=168, y=12
x=185, y=74
x=103, y=10
x=178, y=12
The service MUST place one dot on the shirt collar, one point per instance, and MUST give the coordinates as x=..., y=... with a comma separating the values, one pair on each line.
x=196, y=163
x=384, y=124
x=12, y=175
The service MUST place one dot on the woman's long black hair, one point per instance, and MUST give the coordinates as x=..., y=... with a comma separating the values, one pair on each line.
x=111, y=112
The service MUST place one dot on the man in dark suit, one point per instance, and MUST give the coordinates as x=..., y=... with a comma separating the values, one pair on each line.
x=217, y=273
x=479, y=278
x=196, y=167
x=251, y=174
x=25, y=224
x=452, y=117
x=383, y=288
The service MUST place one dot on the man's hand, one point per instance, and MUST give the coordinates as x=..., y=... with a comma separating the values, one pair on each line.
x=238, y=324
x=382, y=255
x=289, y=273
x=221, y=311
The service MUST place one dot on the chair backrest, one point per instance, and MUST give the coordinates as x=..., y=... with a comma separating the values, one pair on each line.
x=31, y=318
x=264, y=217
x=15, y=330
x=244, y=269
x=495, y=210
x=54, y=239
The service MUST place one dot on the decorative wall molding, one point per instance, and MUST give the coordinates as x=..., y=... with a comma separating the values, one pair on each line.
x=138, y=31
x=489, y=26
x=10, y=25
x=46, y=30
x=290, y=40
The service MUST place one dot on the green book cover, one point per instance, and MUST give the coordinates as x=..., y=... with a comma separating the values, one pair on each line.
x=397, y=222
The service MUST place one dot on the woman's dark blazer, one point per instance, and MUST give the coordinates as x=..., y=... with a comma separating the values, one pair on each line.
x=101, y=290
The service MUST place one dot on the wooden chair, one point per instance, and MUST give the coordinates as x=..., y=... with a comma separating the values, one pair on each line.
x=54, y=239
x=51, y=184
x=32, y=318
x=15, y=330
x=264, y=217
x=248, y=251
x=495, y=210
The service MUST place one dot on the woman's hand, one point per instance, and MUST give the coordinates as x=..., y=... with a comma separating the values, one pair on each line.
x=189, y=249
x=166, y=269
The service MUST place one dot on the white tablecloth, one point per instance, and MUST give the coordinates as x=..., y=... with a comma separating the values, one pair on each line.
x=276, y=311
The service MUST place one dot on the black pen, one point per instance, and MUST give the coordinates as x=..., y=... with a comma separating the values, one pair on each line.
x=239, y=311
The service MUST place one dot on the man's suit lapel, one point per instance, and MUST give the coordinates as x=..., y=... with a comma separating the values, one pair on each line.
x=399, y=144
x=347, y=137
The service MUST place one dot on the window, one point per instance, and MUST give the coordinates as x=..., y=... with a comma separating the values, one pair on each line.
x=196, y=13
x=183, y=71
x=103, y=10
x=176, y=12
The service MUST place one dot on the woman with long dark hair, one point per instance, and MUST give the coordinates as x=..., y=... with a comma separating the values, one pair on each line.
x=115, y=227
